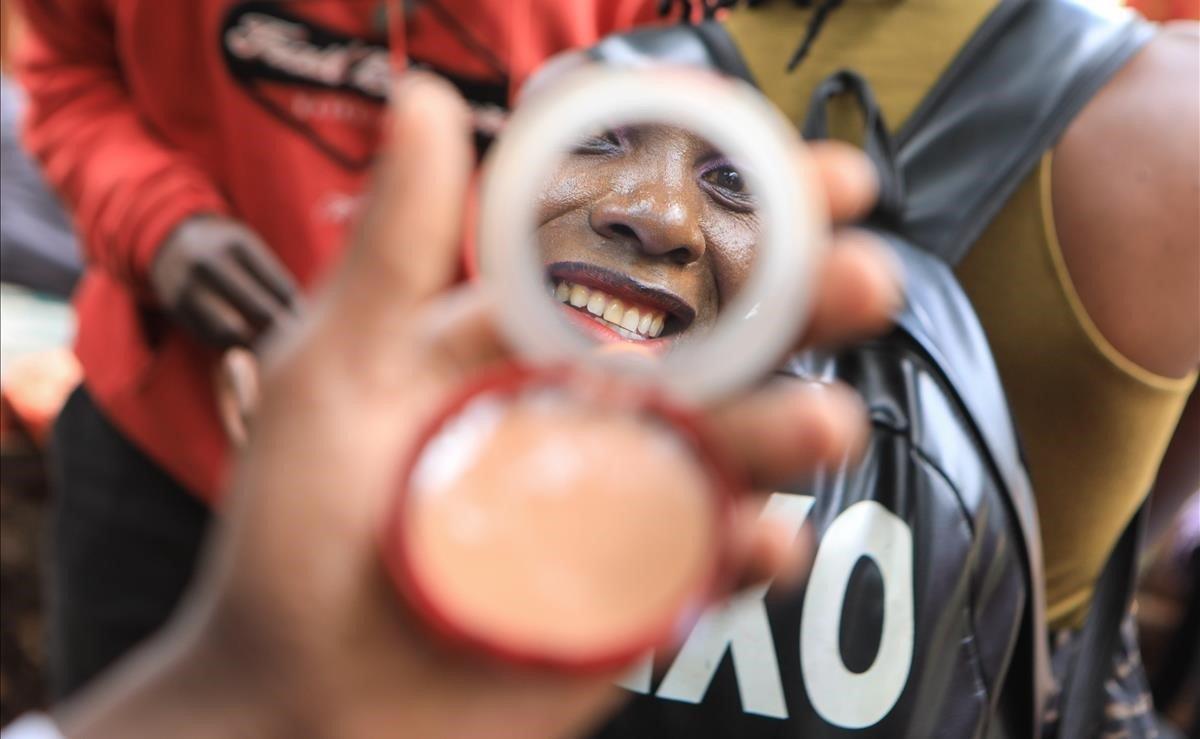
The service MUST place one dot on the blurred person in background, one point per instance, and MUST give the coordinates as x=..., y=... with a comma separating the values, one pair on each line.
x=164, y=168
x=1167, y=10
x=37, y=244
x=40, y=264
x=212, y=154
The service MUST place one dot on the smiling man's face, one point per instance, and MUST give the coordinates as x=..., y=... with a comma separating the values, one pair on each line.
x=646, y=231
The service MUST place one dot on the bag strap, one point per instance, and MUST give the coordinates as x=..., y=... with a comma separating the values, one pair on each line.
x=1004, y=101
x=1083, y=693
x=939, y=317
x=877, y=139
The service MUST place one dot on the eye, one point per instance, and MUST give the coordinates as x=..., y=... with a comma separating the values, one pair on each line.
x=605, y=142
x=726, y=178
x=726, y=184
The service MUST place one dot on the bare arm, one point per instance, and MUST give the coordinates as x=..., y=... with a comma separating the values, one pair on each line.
x=1127, y=208
x=1127, y=205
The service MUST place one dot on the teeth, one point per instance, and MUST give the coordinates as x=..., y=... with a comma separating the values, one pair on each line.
x=644, y=324
x=614, y=311
x=644, y=321
x=656, y=326
x=629, y=321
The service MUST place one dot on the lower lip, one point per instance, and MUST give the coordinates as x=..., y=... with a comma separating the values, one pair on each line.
x=518, y=534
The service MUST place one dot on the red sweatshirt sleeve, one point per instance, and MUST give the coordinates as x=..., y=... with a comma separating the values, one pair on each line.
x=126, y=187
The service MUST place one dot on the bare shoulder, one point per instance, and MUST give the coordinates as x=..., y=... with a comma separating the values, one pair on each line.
x=1126, y=191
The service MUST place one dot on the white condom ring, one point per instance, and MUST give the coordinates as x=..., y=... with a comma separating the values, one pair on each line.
x=757, y=328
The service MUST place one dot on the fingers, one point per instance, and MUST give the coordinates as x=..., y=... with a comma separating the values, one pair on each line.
x=764, y=547
x=237, y=393
x=783, y=431
x=264, y=266
x=789, y=559
x=259, y=306
x=858, y=293
x=461, y=336
x=212, y=317
x=242, y=368
x=860, y=287
x=790, y=428
x=407, y=242
x=211, y=265
x=847, y=177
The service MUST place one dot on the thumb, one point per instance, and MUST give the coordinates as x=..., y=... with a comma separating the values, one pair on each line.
x=406, y=246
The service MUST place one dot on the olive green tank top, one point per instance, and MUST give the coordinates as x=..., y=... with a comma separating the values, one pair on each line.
x=1094, y=424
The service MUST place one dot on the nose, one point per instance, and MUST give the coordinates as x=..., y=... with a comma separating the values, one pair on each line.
x=657, y=220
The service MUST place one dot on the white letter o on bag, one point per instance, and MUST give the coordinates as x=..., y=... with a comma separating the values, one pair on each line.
x=841, y=697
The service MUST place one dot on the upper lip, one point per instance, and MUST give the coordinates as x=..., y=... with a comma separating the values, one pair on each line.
x=621, y=285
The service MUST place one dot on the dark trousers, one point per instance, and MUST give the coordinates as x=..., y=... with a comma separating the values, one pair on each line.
x=124, y=540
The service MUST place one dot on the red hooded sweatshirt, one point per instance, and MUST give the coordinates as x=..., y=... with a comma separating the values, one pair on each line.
x=145, y=112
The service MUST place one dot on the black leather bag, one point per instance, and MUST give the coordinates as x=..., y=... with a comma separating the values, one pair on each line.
x=924, y=613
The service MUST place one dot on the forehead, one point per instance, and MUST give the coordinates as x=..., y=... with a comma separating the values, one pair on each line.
x=661, y=134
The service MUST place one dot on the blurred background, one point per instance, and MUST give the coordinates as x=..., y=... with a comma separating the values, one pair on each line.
x=39, y=265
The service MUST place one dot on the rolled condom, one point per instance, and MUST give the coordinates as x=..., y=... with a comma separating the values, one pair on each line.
x=756, y=325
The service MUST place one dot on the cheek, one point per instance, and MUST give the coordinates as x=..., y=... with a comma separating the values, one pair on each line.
x=563, y=238
x=571, y=187
x=733, y=240
x=562, y=211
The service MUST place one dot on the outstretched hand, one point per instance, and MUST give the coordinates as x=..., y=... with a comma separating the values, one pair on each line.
x=295, y=628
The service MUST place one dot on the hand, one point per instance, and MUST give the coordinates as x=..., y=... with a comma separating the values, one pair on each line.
x=294, y=628
x=218, y=279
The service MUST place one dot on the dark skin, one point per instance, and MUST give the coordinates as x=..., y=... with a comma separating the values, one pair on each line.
x=1128, y=219
x=658, y=204
x=218, y=279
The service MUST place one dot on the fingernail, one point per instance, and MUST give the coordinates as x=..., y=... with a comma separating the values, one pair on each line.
x=412, y=79
x=865, y=173
x=844, y=419
x=886, y=268
x=897, y=296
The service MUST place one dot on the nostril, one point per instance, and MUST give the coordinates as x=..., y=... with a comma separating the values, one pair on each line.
x=666, y=233
x=621, y=230
x=682, y=255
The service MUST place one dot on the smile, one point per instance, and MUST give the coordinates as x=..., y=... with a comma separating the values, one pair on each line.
x=631, y=321
x=611, y=305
